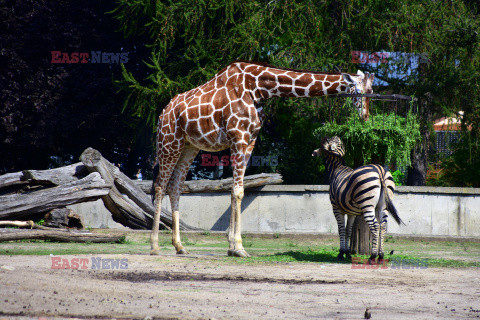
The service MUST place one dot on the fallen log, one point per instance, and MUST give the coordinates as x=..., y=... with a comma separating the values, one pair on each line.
x=223, y=185
x=63, y=218
x=77, y=171
x=57, y=235
x=57, y=176
x=23, y=205
x=19, y=224
x=11, y=179
x=28, y=224
x=128, y=204
x=127, y=200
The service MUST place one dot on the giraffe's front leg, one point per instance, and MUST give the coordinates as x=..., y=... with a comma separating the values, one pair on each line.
x=240, y=156
x=235, y=238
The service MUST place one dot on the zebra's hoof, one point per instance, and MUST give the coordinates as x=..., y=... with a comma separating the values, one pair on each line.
x=340, y=257
x=182, y=251
x=371, y=260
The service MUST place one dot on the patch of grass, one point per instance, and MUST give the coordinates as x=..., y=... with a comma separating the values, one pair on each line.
x=390, y=239
x=403, y=261
x=277, y=248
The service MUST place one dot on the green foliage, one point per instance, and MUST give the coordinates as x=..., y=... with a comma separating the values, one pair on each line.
x=398, y=177
x=190, y=41
x=384, y=139
x=461, y=169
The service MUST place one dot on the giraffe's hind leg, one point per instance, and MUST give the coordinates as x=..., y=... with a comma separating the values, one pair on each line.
x=174, y=189
x=166, y=166
x=167, y=159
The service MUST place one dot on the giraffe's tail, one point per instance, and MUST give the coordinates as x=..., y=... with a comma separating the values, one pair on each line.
x=156, y=169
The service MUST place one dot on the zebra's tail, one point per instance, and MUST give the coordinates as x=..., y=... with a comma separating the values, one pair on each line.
x=389, y=202
x=393, y=211
x=156, y=169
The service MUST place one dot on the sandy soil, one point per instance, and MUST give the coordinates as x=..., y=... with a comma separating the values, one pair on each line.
x=212, y=287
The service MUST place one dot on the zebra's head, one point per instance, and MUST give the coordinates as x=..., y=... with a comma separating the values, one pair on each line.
x=330, y=146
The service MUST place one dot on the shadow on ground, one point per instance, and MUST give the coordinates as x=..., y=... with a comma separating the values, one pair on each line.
x=308, y=256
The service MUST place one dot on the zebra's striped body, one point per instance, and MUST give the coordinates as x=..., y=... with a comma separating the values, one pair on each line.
x=365, y=191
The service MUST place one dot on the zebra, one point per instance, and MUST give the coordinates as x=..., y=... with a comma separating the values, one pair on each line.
x=364, y=191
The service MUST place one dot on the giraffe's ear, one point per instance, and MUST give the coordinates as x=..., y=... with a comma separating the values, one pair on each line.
x=348, y=79
x=360, y=73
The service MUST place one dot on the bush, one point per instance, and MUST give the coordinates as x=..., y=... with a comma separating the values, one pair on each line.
x=386, y=139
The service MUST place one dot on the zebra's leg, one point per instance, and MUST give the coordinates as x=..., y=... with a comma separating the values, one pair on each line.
x=350, y=220
x=383, y=232
x=373, y=225
x=340, y=217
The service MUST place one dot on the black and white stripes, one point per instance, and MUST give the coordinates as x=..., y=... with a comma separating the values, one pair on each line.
x=364, y=191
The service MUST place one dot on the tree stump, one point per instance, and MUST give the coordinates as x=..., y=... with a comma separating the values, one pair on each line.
x=361, y=237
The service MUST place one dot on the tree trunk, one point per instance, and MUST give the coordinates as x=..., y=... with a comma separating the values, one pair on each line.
x=361, y=237
x=417, y=173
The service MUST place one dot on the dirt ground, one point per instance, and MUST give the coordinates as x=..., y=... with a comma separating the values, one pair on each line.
x=206, y=286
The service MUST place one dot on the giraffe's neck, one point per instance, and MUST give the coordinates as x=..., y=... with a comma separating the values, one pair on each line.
x=270, y=82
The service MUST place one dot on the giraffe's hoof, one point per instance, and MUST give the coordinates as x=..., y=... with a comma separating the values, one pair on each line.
x=155, y=252
x=238, y=253
x=182, y=251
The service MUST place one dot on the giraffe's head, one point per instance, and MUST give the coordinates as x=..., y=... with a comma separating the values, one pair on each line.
x=360, y=83
x=330, y=146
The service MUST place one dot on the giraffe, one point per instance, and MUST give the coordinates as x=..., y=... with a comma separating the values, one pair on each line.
x=225, y=113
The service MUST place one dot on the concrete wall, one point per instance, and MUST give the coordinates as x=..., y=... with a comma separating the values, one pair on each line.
x=306, y=208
